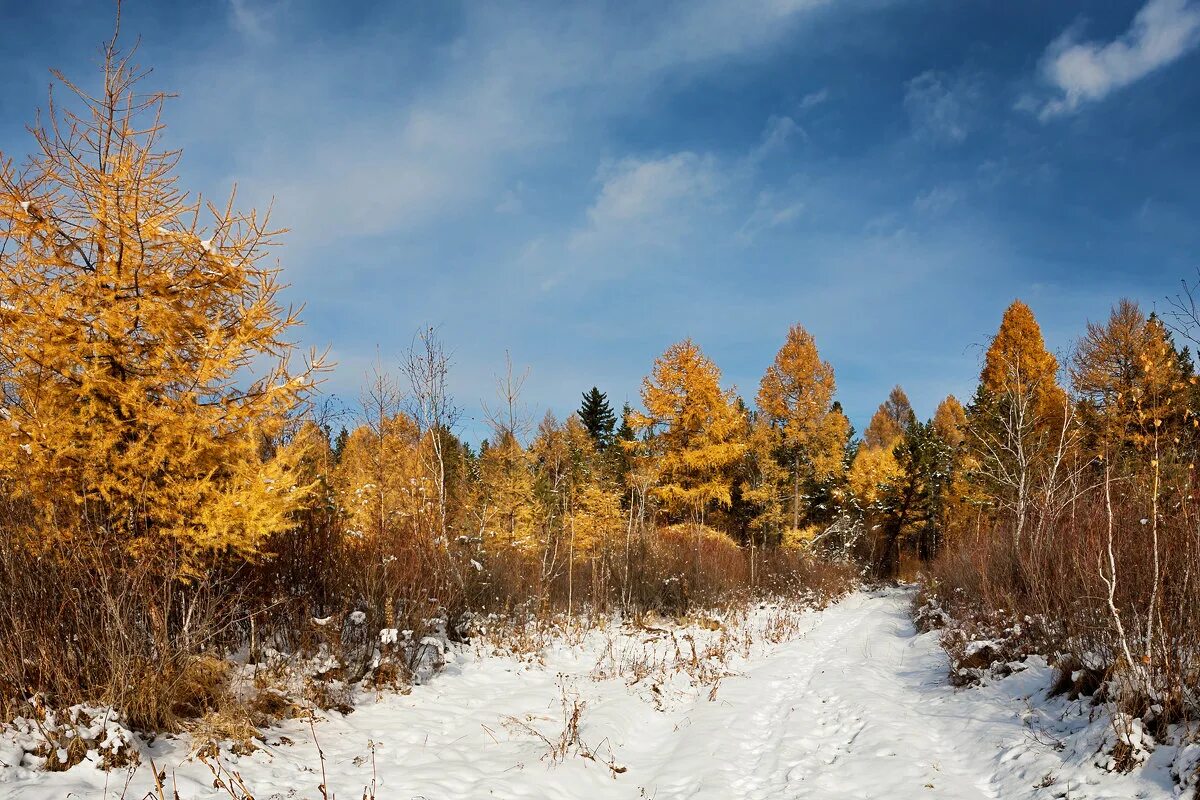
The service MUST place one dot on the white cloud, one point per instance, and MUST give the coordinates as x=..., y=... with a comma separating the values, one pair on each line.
x=647, y=202
x=937, y=201
x=253, y=20
x=770, y=211
x=941, y=108
x=657, y=201
x=704, y=30
x=814, y=99
x=509, y=85
x=1162, y=32
x=510, y=202
x=775, y=136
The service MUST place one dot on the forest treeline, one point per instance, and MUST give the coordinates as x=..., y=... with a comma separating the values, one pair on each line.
x=170, y=493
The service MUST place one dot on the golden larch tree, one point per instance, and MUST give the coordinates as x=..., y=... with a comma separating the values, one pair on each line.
x=1127, y=376
x=889, y=422
x=1020, y=425
x=1018, y=363
x=381, y=487
x=950, y=427
x=144, y=353
x=695, y=427
x=875, y=466
x=950, y=420
x=506, y=499
x=796, y=396
x=766, y=485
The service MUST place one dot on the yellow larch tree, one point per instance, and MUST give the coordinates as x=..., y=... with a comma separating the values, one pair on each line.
x=507, y=502
x=875, y=466
x=581, y=515
x=594, y=516
x=796, y=397
x=1020, y=425
x=950, y=427
x=873, y=469
x=766, y=484
x=694, y=426
x=950, y=421
x=893, y=417
x=1128, y=379
x=1017, y=364
x=144, y=353
x=829, y=453
x=381, y=488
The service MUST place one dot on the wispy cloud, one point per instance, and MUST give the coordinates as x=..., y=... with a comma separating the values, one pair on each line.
x=814, y=99
x=647, y=202
x=1082, y=72
x=938, y=200
x=506, y=87
x=660, y=201
x=941, y=108
x=770, y=211
x=253, y=20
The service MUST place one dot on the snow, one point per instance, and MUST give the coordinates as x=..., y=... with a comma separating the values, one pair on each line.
x=846, y=702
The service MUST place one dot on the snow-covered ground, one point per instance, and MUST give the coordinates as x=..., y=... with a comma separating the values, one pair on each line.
x=853, y=704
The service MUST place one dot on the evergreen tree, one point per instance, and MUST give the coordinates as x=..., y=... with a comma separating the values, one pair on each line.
x=339, y=444
x=626, y=432
x=910, y=502
x=597, y=416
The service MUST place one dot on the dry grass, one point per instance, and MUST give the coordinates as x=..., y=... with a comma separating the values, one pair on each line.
x=1054, y=591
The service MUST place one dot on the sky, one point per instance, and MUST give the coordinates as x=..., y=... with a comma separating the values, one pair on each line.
x=582, y=184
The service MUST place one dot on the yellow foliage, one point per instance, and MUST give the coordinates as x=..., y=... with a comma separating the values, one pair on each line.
x=797, y=390
x=893, y=417
x=696, y=430
x=873, y=468
x=1128, y=377
x=694, y=530
x=950, y=421
x=508, y=499
x=795, y=398
x=379, y=482
x=1018, y=364
x=767, y=482
x=596, y=520
x=144, y=358
x=830, y=445
x=800, y=538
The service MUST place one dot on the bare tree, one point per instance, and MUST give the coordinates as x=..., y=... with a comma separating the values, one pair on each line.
x=426, y=366
x=1026, y=453
x=380, y=402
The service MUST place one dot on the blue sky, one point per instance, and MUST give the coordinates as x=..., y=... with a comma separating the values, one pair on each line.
x=584, y=184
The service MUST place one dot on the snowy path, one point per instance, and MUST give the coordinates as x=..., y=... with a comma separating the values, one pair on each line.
x=856, y=706
x=852, y=708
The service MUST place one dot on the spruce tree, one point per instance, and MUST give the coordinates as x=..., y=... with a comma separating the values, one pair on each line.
x=339, y=444
x=626, y=433
x=598, y=417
